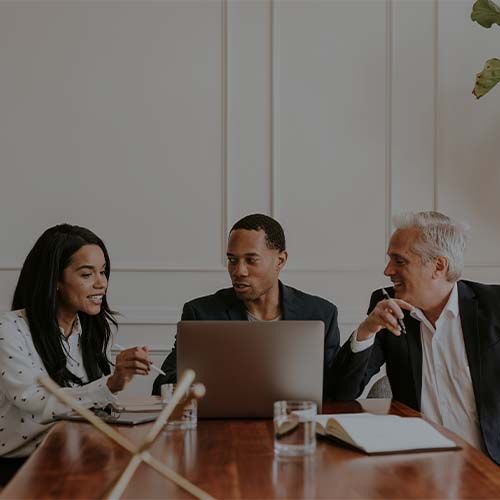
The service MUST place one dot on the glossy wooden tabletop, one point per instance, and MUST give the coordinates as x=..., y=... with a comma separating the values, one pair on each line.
x=234, y=459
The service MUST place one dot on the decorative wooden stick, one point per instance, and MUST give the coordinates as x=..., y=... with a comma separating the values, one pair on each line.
x=119, y=486
x=197, y=391
x=139, y=454
x=67, y=399
x=181, y=389
x=183, y=386
x=176, y=478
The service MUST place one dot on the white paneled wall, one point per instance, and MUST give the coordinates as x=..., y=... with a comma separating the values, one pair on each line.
x=329, y=103
x=159, y=123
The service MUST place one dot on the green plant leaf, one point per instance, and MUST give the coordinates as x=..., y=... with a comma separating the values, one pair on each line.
x=488, y=78
x=486, y=13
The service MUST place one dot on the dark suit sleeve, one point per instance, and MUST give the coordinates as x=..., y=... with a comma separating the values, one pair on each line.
x=332, y=345
x=352, y=371
x=169, y=366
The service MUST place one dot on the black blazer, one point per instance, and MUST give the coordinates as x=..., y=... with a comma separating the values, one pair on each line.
x=479, y=307
x=295, y=305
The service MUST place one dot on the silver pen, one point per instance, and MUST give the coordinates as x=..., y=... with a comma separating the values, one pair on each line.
x=153, y=367
x=399, y=320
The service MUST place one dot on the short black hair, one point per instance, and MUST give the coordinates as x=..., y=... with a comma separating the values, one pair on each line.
x=275, y=236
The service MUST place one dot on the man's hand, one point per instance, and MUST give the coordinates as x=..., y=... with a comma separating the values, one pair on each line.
x=384, y=315
x=129, y=362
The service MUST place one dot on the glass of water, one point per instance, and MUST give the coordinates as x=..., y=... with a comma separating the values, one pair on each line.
x=188, y=418
x=294, y=428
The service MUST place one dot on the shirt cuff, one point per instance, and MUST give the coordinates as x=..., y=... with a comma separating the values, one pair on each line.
x=360, y=345
x=99, y=391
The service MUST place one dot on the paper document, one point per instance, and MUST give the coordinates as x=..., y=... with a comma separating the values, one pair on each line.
x=382, y=433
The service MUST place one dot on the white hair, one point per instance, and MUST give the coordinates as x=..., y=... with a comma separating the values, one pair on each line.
x=440, y=236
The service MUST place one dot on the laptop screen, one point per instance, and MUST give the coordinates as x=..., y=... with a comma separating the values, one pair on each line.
x=246, y=366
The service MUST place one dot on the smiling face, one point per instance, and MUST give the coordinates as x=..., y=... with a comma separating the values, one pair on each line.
x=414, y=281
x=253, y=266
x=83, y=284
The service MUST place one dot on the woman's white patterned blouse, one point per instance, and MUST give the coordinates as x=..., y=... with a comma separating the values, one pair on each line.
x=23, y=402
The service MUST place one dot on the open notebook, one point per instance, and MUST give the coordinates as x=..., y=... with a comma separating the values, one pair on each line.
x=382, y=433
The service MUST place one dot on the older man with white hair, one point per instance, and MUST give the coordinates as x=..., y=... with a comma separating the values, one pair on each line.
x=447, y=363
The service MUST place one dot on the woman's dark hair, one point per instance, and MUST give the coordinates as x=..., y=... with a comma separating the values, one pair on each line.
x=36, y=292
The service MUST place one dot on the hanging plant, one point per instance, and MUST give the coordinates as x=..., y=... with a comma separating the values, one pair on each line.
x=486, y=13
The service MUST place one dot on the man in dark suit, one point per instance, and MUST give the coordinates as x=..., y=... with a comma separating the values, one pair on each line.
x=256, y=254
x=447, y=362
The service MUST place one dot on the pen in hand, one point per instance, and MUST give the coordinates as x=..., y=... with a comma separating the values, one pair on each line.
x=153, y=367
x=399, y=320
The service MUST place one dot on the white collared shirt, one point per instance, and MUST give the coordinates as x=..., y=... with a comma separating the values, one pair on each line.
x=447, y=396
x=23, y=402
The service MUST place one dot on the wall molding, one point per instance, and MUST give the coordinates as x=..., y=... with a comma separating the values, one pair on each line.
x=224, y=211
x=158, y=315
x=337, y=269
x=153, y=268
x=159, y=267
x=436, y=110
x=274, y=110
x=139, y=267
x=477, y=265
x=155, y=350
x=224, y=125
x=389, y=56
x=148, y=315
x=275, y=153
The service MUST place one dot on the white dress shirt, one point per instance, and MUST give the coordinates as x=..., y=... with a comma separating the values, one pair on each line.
x=23, y=402
x=447, y=396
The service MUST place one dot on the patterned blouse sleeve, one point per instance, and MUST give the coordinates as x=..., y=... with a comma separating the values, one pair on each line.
x=18, y=379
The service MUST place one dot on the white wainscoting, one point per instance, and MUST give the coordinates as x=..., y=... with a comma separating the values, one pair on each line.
x=158, y=124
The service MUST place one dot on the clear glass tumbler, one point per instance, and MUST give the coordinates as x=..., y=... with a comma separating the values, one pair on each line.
x=294, y=428
x=189, y=417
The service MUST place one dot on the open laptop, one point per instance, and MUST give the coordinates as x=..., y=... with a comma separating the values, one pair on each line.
x=247, y=365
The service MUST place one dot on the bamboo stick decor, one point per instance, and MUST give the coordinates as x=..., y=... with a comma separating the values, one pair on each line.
x=140, y=453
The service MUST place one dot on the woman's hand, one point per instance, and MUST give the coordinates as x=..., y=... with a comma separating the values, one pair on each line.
x=129, y=362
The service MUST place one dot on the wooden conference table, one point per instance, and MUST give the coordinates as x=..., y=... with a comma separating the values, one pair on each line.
x=234, y=459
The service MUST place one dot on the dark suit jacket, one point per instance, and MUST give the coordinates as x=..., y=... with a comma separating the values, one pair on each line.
x=479, y=307
x=295, y=305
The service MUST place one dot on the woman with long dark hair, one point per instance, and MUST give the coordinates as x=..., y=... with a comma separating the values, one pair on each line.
x=59, y=325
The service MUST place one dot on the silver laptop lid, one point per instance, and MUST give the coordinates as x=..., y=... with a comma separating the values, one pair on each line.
x=246, y=366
